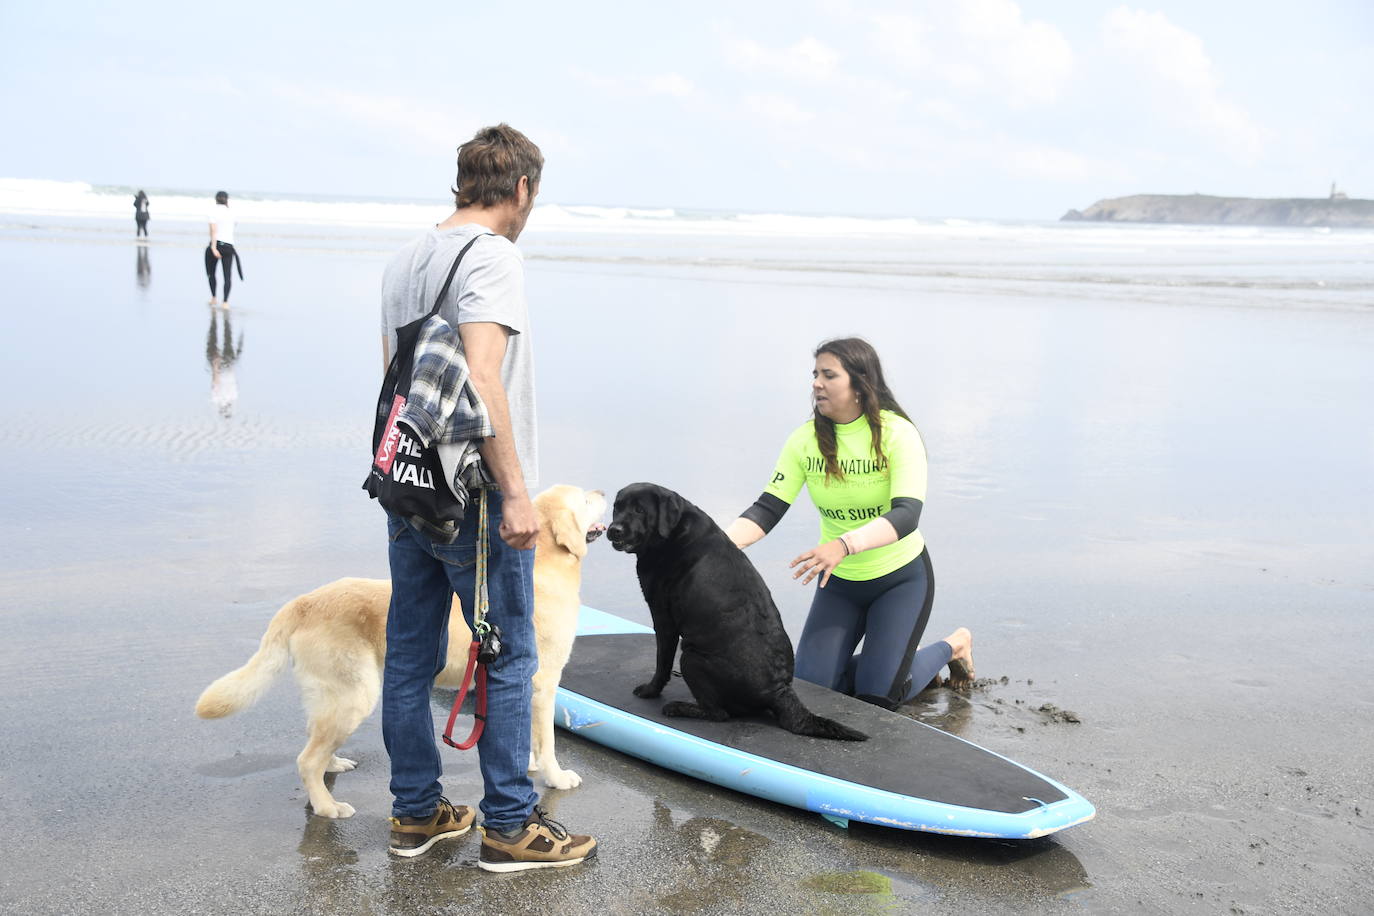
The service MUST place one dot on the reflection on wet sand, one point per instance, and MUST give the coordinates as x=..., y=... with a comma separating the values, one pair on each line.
x=715, y=865
x=945, y=709
x=322, y=846
x=864, y=891
x=330, y=879
x=221, y=357
x=143, y=267
x=1053, y=870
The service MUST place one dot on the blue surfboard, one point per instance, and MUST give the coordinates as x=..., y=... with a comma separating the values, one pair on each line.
x=908, y=775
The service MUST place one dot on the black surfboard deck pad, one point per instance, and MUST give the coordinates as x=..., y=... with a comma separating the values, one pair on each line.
x=901, y=755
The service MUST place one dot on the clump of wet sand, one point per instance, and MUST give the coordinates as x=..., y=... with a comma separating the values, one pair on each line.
x=978, y=693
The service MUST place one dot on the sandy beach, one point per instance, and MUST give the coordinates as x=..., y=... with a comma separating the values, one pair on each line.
x=1150, y=501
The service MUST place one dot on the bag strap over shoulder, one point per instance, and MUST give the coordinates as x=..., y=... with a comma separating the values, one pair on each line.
x=448, y=281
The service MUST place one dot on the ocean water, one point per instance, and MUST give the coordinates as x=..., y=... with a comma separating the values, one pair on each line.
x=1316, y=268
x=1150, y=450
x=1108, y=380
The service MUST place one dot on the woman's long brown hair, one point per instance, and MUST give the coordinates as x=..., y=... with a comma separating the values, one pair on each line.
x=860, y=360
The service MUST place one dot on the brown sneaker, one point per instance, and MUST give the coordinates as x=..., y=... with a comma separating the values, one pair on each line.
x=412, y=836
x=539, y=843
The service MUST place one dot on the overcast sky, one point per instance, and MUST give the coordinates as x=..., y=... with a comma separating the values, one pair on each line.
x=979, y=108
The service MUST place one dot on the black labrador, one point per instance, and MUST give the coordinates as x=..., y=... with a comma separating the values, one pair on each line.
x=736, y=657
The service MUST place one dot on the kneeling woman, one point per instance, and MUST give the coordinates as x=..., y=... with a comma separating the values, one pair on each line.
x=864, y=464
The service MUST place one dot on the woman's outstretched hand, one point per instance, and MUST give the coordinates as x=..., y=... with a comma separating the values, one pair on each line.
x=819, y=561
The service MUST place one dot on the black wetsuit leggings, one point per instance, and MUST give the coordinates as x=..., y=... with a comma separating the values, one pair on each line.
x=889, y=614
x=226, y=259
x=142, y=220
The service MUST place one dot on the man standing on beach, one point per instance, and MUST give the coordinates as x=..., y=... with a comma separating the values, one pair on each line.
x=498, y=178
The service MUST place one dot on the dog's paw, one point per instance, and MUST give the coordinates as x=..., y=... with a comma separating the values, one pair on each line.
x=337, y=810
x=340, y=765
x=648, y=691
x=561, y=779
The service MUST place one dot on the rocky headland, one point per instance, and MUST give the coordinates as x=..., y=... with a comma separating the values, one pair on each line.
x=1337, y=211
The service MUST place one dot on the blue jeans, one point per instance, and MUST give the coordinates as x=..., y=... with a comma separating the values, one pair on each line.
x=424, y=578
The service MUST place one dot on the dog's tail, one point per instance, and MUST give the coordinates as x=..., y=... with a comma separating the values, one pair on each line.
x=799, y=720
x=242, y=687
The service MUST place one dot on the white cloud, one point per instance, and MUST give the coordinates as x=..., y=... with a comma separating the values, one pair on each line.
x=1182, y=81
x=981, y=46
x=777, y=108
x=996, y=156
x=1032, y=59
x=399, y=117
x=670, y=84
x=1043, y=162
x=817, y=66
x=221, y=85
x=947, y=112
x=673, y=84
x=807, y=60
x=903, y=36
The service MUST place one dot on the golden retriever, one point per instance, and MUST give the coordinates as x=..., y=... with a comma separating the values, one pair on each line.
x=336, y=636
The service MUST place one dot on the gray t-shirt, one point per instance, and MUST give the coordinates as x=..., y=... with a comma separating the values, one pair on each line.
x=489, y=286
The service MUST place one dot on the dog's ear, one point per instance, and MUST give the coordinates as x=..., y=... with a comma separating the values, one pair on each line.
x=670, y=507
x=567, y=533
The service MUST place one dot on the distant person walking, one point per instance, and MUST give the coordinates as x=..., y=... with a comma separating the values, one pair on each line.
x=221, y=247
x=141, y=214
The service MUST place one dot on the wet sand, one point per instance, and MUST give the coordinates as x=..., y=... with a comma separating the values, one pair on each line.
x=1150, y=506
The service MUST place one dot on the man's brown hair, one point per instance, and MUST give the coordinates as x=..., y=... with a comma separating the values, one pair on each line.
x=490, y=166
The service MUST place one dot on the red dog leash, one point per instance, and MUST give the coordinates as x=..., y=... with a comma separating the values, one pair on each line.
x=481, y=633
x=479, y=715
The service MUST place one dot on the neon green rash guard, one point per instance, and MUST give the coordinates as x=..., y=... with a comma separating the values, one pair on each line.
x=866, y=490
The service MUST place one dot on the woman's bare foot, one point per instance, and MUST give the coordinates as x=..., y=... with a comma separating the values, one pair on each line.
x=961, y=671
x=214, y=301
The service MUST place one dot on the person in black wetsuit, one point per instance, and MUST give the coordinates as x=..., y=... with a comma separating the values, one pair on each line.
x=141, y=214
